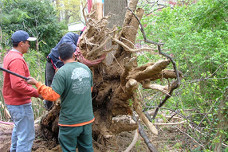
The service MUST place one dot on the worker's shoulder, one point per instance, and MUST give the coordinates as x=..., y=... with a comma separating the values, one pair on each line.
x=11, y=55
x=83, y=65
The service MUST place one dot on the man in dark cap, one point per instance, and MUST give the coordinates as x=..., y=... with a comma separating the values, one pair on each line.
x=17, y=93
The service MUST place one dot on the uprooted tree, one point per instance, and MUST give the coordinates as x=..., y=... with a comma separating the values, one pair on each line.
x=117, y=78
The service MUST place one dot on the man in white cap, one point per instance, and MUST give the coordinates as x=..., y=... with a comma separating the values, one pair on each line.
x=17, y=93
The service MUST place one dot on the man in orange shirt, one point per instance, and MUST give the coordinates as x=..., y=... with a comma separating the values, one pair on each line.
x=73, y=84
x=17, y=93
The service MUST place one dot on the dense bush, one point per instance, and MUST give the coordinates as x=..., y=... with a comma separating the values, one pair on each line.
x=196, y=36
x=36, y=17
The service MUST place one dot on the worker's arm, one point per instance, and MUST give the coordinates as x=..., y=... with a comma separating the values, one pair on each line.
x=47, y=92
x=18, y=84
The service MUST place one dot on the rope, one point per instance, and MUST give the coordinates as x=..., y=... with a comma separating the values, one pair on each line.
x=6, y=123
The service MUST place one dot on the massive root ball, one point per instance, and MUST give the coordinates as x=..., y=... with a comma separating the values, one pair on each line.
x=117, y=77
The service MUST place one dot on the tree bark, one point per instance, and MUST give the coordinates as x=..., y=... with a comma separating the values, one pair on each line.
x=117, y=10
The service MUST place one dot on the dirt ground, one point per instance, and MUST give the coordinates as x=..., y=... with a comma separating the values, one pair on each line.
x=169, y=139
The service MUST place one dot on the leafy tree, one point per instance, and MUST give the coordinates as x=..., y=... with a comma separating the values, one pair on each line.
x=69, y=10
x=36, y=17
x=196, y=35
x=200, y=45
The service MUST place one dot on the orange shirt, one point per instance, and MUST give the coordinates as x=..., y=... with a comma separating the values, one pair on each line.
x=49, y=94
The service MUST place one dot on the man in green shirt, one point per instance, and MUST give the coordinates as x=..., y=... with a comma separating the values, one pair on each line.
x=73, y=84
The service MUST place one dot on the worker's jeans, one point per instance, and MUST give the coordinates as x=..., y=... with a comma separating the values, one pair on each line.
x=23, y=132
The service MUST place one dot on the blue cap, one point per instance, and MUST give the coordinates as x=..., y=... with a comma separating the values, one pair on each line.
x=21, y=35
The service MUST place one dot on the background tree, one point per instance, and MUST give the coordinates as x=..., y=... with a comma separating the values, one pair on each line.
x=116, y=9
x=196, y=35
x=36, y=17
x=69, y=11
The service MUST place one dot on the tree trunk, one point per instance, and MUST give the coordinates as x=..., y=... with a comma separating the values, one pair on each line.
x=117, y=10
x=58, y=6
x=115, y=82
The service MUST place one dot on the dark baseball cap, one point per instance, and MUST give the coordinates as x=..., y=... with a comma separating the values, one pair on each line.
x=21, y=35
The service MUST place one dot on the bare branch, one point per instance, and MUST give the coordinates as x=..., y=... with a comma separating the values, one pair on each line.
x=138, y=108
x=163, y=89
x=173, y=87
x=190, y=137
x=99, y=47
x=129, y=49
x=174, y=65
x=142, y=30
x=170, y=123
x=133, y=141
x=145, y=137
x=83, y=11
x=159, y=47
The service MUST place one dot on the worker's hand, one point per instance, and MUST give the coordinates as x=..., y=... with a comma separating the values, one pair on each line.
x=40, y=96
x=56, y=70
x=31, y=81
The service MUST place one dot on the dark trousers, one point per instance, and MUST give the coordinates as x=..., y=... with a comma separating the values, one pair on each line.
x=49, y=74
x=72, y=137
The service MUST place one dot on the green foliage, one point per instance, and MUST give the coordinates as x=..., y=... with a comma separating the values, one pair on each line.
x=199, y=47
x=36, y=63
x=71, y=8
x=147, y=57
x=226, y=150
x=36, y=17
x=196, y=35
x=130, y=102
x=211, y=14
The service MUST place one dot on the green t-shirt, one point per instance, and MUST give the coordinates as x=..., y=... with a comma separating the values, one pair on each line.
x=73, y=83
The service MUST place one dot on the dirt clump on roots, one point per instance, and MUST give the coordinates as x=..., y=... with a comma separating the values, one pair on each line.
x=5, y=137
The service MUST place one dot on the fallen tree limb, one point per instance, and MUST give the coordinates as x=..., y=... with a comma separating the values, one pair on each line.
x=133, y=141
x=170, y=123
x=138, y=110
x=5, y=111
x=173, y=87
x=144, y=136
